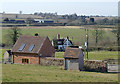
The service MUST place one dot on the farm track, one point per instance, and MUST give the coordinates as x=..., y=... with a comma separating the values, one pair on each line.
x=59, y=27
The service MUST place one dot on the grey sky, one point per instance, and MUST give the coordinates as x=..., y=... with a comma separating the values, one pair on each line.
x=81, y=8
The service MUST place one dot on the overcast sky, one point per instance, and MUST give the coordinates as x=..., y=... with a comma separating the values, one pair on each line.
x=88, y=7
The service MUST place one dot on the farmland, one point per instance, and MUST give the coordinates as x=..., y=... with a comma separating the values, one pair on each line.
x=95, y=55
x=37, y=73
x=76, y=34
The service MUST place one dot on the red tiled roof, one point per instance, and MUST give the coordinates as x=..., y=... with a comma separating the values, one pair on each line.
x=28, y=41
x=72, y=52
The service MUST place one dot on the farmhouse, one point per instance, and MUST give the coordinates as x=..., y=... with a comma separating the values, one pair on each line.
x=63, y=43
x=29, y=49
x=74, y=59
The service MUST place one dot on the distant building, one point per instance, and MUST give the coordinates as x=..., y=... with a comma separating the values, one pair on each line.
x=29, y=49
x=44, y=21
x=74, y=59
x=63, y=43
x=20, y=21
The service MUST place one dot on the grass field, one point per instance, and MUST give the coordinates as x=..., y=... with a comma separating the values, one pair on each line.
x=37, y=73
x=77, y=34
x=95, y=55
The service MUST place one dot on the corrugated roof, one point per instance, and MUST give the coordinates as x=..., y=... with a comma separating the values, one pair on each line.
x=72, y=52
x=37, y=41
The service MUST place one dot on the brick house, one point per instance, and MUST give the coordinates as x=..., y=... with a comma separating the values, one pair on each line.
x=29, y=49
x=74, y=59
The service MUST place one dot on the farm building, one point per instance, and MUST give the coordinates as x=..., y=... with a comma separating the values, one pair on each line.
x=74, y=59
x=44, y=21
x=29, y=49
x=7, y=56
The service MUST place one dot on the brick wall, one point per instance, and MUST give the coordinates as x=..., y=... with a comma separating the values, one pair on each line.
x=52, y=61
x=89, y=65
x=33, y=59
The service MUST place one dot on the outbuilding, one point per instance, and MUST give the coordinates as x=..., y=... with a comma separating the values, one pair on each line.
x=29, y=49
x=74, y=59
x=7, y=56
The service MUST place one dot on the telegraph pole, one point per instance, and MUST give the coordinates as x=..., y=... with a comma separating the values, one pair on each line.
x=87, y=43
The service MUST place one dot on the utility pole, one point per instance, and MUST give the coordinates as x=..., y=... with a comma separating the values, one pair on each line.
x=87, y=43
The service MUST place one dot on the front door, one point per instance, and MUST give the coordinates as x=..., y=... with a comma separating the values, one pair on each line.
x=67, y=64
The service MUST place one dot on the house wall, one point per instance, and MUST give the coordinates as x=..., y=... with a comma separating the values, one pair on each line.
x=6, y=56
x=81, y=60
x=72, y=64
x=33, y=59
x=47, y=49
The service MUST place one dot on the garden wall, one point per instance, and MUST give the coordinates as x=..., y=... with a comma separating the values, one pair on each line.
x=89, y=65
x=52, y=61
x=95, y=65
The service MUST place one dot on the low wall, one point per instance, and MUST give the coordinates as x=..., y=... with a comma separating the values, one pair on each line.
x=52, y=61
x=95, y=65
x=89, y=65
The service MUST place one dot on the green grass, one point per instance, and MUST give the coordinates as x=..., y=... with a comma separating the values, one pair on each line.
x=37, y=73
x=78, y=35
x=102, y=55
x=95, y=55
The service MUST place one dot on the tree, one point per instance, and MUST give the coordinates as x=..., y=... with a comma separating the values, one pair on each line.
x=91, y=20
x=6, y=19
x=29, y=20
x=12, y=35
x=98, y=34
x=117, y=34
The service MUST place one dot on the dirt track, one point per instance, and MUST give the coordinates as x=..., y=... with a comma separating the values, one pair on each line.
x=57, y=27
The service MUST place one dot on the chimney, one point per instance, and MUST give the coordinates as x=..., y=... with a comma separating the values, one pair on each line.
x=67, y=37
x=58, y=36
x=36, y=34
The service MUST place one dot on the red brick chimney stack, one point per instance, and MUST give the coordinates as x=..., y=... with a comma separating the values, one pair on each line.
x=68, y=37
x=58, y=36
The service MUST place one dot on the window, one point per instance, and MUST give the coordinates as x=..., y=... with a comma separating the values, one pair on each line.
x=31, y=47
x=22, y=47
x=25, y=61
x=59, y=42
